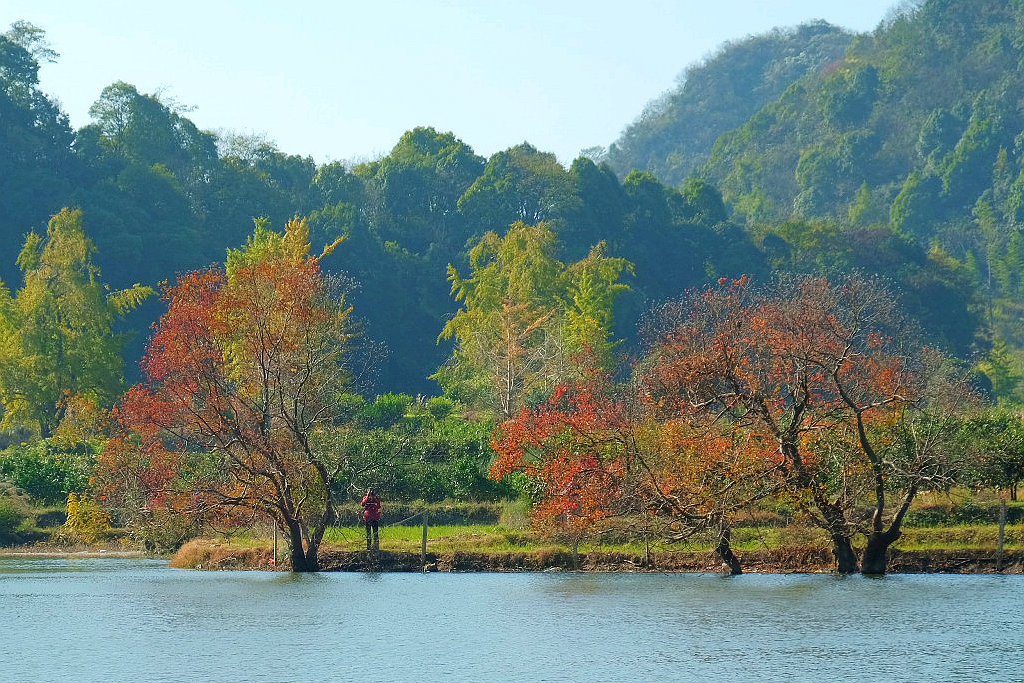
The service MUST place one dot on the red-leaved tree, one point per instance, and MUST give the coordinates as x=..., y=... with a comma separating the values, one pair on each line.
x=242, y=378
x=600, y=457
x=826, y=378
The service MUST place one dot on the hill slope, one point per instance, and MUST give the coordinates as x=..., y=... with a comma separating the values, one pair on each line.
x=676, y=132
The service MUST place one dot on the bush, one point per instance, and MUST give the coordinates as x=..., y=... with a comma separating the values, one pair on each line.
x=386, y=410
x=515, y=514
x=440, y=407
x=164, y=531
x=45, y=474
x=203, y=554
x=445, y=513
x=86, y=522
x=11, y=517
x=958, y=515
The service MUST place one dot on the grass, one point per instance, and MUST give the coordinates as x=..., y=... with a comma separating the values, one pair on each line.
x=498, y=539
x=249, y=550
x=965, y=537
x=441, y=538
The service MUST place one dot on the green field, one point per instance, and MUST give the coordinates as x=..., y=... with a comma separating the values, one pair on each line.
x=495, y=538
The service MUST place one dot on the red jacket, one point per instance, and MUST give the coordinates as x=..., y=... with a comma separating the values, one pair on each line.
x=371, y=508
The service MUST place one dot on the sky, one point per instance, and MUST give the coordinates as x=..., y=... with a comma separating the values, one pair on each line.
x=341, y=80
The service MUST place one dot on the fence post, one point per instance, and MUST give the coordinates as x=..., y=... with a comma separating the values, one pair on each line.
x=1002, y=534
x=423, y=547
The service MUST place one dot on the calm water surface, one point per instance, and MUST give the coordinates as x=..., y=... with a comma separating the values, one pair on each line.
x=137, y=620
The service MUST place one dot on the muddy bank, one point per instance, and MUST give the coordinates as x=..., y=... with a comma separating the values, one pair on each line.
x=788, y=560
x=211, y=555
x=44, y=550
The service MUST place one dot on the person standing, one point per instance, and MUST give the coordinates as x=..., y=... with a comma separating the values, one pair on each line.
x=371, y=518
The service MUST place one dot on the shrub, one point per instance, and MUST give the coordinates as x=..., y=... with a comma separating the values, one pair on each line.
x=440, y=407
x=453, y=513
x=86, y=522
x=515, y=515
x=956, y=515
x=11, y=517
x=164, y=531
x=386, y=410
x=45, y=474
x=203, y=554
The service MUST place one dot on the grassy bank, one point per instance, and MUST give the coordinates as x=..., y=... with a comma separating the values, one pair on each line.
x=483, y=547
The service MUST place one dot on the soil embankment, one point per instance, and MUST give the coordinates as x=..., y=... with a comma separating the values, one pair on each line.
x=210, y=555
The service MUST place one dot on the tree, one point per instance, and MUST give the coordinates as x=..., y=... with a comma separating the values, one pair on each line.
x=413, y=192
x=243, y=379
x=59, y=341
x=997, y=436
x=572, y=447
x=35, y=137
x=598, y=455
x=528, y=322
x=519, y=184
x=825, y=378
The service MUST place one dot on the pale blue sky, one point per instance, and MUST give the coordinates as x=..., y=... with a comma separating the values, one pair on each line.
x=343, y=80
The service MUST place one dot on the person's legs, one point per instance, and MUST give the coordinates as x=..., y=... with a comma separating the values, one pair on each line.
x=376, y=537
x=367, y=525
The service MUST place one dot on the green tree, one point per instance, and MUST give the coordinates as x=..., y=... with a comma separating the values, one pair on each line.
x=519, y=184
x=413, y=192
x=528, y=322
x=35, y=139
x=997, y=440
x=60, y=340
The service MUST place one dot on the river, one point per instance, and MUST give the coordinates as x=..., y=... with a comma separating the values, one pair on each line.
x=138, y=620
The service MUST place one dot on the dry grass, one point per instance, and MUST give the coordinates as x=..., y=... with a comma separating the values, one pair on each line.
x=203, y=553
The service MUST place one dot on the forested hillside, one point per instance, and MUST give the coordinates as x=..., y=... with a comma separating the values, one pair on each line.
x=915, y=133
x=159, y=196
x=674, y=135
x=806, y=302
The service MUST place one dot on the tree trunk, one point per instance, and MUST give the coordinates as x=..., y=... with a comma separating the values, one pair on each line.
x=724, y=550
x=842, y=549
x=303, y=559
x=875, y=561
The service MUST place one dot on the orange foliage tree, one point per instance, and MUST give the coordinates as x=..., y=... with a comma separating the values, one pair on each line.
x=808, y=390
x=597, y=454
x=825, y=380
x=242, y=378
x=573, y=448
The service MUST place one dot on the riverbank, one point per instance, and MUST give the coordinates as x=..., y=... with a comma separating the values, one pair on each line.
x=203, y=554
x=57, y=551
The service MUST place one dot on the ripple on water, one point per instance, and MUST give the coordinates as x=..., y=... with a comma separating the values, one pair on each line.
x=126, y=619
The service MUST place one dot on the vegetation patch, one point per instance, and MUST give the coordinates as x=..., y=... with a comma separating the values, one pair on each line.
x=207, y=554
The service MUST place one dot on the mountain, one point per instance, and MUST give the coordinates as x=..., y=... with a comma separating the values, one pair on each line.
x=916, y=128
x=675, y=133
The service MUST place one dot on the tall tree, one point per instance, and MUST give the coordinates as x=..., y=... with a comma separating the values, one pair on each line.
x=826, y=377
x=243, y=379
x=60, y=340
x=519, y=184
x=35, y=139
x=528, y=322
x=600, y=454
